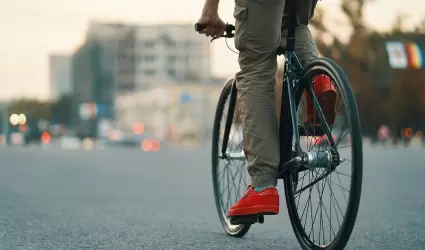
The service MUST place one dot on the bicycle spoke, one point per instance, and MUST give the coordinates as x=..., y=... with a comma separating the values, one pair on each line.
x=316, y=193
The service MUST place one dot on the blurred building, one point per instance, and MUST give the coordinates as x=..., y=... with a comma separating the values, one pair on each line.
x=118, y=59
x=185, y=109
x=60, y=75
x=92, y=87
x=140, y=55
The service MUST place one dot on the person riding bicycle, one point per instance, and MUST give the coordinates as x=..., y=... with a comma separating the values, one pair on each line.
x=261, y=26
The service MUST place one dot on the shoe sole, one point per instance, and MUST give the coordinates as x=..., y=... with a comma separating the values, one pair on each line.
x=254, y=210
x=247, y=219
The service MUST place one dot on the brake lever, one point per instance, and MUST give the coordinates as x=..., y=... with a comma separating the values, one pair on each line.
x=217, y=37
x=214, y=38
x=227, y=34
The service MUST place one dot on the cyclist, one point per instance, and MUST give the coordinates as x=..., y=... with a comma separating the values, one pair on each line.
x=260, y=28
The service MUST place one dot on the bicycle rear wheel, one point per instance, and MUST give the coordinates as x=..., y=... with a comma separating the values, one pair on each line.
x=229, y=175
x=323, y=172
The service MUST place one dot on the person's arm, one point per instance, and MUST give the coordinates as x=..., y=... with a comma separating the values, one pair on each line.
x=214, y=26
x=211, y=5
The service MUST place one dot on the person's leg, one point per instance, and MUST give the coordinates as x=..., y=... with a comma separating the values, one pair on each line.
x=305, y=47
x=306, y=51
x=257, y=37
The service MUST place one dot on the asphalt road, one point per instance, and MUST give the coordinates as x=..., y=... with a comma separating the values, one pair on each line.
x=124, y=199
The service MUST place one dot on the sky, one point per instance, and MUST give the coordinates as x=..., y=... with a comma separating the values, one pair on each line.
x=34, y=28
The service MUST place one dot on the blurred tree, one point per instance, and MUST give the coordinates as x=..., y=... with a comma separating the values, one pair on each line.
x=355, y=56
x=398, y=24
x=420, y=28
x=384, y=95
x=33, y=109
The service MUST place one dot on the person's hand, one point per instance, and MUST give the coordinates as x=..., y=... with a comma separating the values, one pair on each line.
x=215, y=27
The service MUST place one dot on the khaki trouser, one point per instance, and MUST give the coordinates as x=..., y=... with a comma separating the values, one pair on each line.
x=260, y=28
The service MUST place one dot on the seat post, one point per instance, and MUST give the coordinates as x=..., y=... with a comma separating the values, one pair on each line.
x=293, y=15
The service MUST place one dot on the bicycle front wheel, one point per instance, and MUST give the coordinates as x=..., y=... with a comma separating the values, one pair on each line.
x=229, y=175
x=323, y=196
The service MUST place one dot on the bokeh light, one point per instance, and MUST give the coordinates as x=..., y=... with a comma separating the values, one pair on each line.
x=22, y=119
x=138, y=128
x=146, y=145
x=14, y=119
x=45, y=138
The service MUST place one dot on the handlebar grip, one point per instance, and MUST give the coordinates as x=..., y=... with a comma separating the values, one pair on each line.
x=200, y=27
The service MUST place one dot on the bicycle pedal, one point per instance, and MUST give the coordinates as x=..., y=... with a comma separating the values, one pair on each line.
x=247, y=219
x=311, y=130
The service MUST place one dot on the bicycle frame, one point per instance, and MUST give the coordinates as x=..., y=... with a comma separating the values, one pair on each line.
x=292, y=65
x=288, y=106
x=293, y=68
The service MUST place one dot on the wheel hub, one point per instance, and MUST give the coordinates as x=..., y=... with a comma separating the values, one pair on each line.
x=320, y=159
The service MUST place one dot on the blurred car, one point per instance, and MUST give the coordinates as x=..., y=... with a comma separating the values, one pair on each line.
x=145, y=141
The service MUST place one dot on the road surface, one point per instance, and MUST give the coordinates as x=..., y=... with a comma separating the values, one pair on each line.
x=125, y=199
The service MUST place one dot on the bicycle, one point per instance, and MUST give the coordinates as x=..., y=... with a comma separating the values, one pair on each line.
x=294, y=160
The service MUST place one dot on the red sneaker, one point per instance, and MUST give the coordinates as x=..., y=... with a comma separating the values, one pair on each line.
x=326, y=95
x=265, y=202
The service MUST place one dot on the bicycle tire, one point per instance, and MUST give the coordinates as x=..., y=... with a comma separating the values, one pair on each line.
x=235, y=231
x=342, y=237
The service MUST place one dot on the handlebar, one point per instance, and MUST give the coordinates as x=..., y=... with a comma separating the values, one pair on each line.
x=228, y=31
